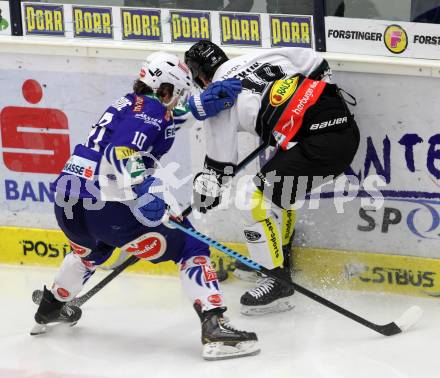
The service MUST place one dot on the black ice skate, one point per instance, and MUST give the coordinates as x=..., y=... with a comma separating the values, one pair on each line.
x=52, y=310
x=221, y=340
x=270, y=295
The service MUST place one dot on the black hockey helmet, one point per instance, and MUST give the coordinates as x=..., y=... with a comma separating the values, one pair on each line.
x=203, y=59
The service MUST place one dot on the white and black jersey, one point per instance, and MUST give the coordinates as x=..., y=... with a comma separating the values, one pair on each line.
x=256, y=71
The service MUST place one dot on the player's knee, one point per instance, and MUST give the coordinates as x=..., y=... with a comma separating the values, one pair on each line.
x=253, y=205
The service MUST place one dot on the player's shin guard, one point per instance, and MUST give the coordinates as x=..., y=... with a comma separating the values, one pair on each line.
x=265, y=236
x=199, y=281
x=71, y=277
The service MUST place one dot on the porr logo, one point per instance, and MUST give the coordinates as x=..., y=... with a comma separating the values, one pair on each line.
x=396, y=39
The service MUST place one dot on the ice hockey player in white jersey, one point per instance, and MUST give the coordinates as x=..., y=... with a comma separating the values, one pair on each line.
x=288, y=104
x=131, y=214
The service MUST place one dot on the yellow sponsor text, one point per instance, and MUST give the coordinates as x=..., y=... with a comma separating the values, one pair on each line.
x=190, y=27
x=284, y=31
x=124, y=152
x=87, y=21
x=146, y=25
x=240, y=30
x=44, y=20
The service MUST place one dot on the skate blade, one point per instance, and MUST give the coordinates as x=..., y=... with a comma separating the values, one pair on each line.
x=219, y=351
x=279, y=305
x=246, y=276
x=41, y=329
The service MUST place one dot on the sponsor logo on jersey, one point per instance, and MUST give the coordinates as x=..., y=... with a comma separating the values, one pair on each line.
x=79, y=250
x=252, y=236
x=122, y=103
x=170, y=132
x=81, y=167
x=123, y=152
x=333, y=122
x=138, y=104
x=309, y=94
x=149, y=120
x=396, y=39
x=150, y=246
x=282, y=90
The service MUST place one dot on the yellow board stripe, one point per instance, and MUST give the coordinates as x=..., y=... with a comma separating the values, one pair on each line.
x=314, y=267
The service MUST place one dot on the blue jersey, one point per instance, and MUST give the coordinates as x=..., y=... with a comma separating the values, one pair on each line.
x=132, y=134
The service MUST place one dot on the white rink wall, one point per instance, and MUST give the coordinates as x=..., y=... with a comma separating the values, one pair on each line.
x=397, y=114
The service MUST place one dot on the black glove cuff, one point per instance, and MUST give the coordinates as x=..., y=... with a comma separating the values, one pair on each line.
x=220, y=168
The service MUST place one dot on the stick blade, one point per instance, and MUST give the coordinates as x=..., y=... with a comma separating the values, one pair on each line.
x=409, y=318
x=406, y=320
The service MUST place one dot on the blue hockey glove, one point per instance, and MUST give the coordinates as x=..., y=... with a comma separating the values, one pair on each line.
x=150, y=201
x=218, y=96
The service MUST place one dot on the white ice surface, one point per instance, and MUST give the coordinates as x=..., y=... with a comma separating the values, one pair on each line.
x=143, y=326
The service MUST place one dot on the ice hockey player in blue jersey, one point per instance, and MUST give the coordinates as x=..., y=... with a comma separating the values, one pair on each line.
x=107, y=197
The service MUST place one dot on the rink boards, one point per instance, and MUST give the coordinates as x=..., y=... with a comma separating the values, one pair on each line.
x=319, y=268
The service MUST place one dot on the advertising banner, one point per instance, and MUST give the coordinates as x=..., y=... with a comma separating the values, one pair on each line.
x=5, y=20
x=291, y=31
x=388, y=38
x=240, y=29
x=190, y=26
x=44, y=19
x=50, y=107
x=141, y=24
x=92, y=22
x=167, y=25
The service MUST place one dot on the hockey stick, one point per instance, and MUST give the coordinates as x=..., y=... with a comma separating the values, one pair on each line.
x=405, y=321
x=38, y=294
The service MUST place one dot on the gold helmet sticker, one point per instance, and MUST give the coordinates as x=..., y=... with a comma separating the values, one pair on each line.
x=396, y=39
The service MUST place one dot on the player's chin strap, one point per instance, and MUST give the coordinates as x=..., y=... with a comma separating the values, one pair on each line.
x=407, y=319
